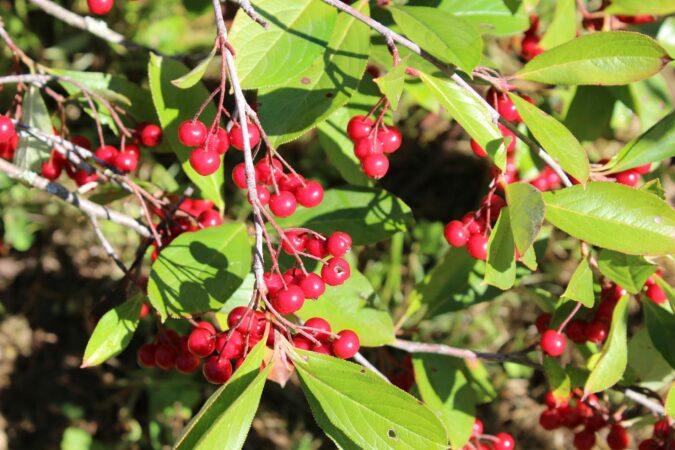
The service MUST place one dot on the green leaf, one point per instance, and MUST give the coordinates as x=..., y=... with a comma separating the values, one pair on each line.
x=670, y=292
x=580, y=286
x=646, y=361
x=391, y=84
x=442, y=34
x=529, y=259
x=174, y=106
x=357, y=409
x=195, y=75
x=350, y=306
x=489, y=16
x=225, y=419
x=558, y=380
x=654, y=187
x=613, y=358
x=604, y=58
x=526, y=210
x=199, y=270
x=454, y=284
x=471, y=113
x=500, y=268
x=589, y=114
x=628, y=271
x=670, y=402
x=298, y=33
x=445, y=389
x=563, y=27
x=340, y=149
x=614, y=216
x=656, y=144
x=307, y=99
x=660, y=322
x=557, y=140
x=368, y=215
x=638, y=7
x=113, y=332
x=31, y=152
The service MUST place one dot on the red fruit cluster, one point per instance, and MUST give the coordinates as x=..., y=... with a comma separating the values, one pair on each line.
x=653, y=291
x=482, y=441
x=372, y=142
x=57, y=163
x=586, y=416
x=344, y=345
x=169, y=351
x=547, y=180
x=663, y=437
x=9, y=140
x=290, y=189
x=629, y=177
x=506, y=108
x=100, y=7
x=472, y=230
x=529, y=46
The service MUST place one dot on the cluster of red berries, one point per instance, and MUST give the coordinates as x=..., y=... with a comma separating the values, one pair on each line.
x=473, y=231
x=506, y=108
x=344, y=345
x=629, y=177
x=9, y=140
x=210, y=144
x=372, y=142
x=290, y=189
x=663, y=437
x=529, y=46
x=482, y=441
x=100, y=7
x=577, y=411
x=547, y=180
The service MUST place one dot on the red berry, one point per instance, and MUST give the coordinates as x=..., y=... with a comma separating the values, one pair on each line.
x=552, y=402
x=596, y=331
x=575, y=331
x=265, y=171
x=218, y=142
x=301, y=343
x=584, y=440
x=477, y=149
x=230, y=347
x=201, y=342
x=187, y=363
x=509, y=138
x=542, y=322
x=477, y=428
x=294, y=276
x=283, y=204
x=126, y=161
x=7, y=130
x=289, y=300
x=273, y=282
x=313, y=286
x=504, y=442
x=81, y=177
x=456, y=234
x=237, y=136
x=346, y=344
x=204, y=162
x=324, y=349
x=146, y=355
x=81, y=141
x=391, y=139
x=206, y=326
x=165, y=356
x=335, y=272
x=507, y=109
x=553, y=343
x=321, y=327
x=50, y=170
x=100, y=7
x=217, y=370
x=530, y=46
x=239, y=176
x=477, y=246
x=263, y=194
x=656, y=294
x=192, y=134
x=472, y=224
x=375, y=166
x=309, y=195
x=367, y=146
x=149, y=134
x=643, y=169
x=550, y=419
x=210, y=218
x=650, y=444
x=291, y=182
x=359, y=127
x=617, y=439
x=662, y=429
x=294, y=242
x=628, y=177
x=339, y=243
x=107, y=153
x=317, y=247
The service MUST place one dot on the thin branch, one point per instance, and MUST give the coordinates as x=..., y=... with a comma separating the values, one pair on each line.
x=245, y=6
x=89, y=208
x=110, y=251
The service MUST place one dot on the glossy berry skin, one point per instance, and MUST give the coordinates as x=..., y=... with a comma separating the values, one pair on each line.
x=550, y=419
x=107, y=153
x=149, y=134
x=643, y=169
x=230, y=347
x=324, y=349
x=100, y=7
x=301, y=343
x=204, y=162
x=146, y=355
x=309, y=195
x=7, y=130
x=662, y=429
x=335, y=272
x=576, y=331
x=263, y=194
x=201, y=342
x=322, y=327
x=509, y=138
x=291, y=182
x=313, y=286
x=81, y=177
x=552, y=343
x=50, y=170
x=650, y=444
x=477, y=246
x=217, y=370
x=628, y=177
x=317, y=247
x=283, y=204
x=375, y=166
x=596, y=331
x=504, y=442
x=339, y=243
x=656, y=294
x=617, y=439
x=346, y=345
x=192, y=134
x=584, y=440
x=289, y=300
x=359, y=127
x=165, y=356
x=367, y=146
x=477, y=428
x=239, y=176
x=265, y=171
x=187, y=363
x=294, y=242
x=218, y=142
x=477, y=149
x=507, y=109
x=391, y=139
x=207, y=326
x=126, y=161
x=210, y=218
x=237, y=136
x=456, y=234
